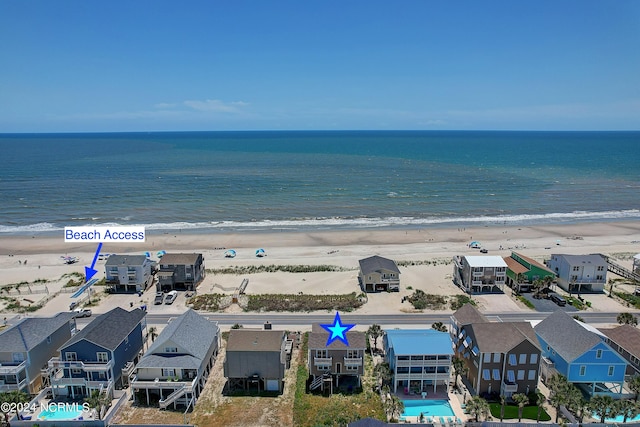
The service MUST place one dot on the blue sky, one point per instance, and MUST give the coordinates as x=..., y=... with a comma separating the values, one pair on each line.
x=74, y=66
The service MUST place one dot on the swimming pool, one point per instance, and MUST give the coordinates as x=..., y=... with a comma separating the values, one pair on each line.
x=60, y=413
x=429, y=408
x=617, y=419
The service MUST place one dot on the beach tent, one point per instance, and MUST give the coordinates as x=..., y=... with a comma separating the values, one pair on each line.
x=475, y=245
x=260, y=253
x=147, y=254
x=230, y=253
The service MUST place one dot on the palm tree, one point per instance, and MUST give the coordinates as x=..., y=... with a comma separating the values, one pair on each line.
x=628, y=409
x=383, y=375
x=603, y=406
x=439, y=326
x=375, y=332
x=521, y=399
x=627, y=318
x=394, y=407
x=576, y=401
x=579, y=318
x=634, y=385
x=477, y=407
x=503, y=401
x=540, y=401
x=520, y=278
x=558, y=387
x=459, y=368
x=11, y=397
x=153, y=332
x=97, y=401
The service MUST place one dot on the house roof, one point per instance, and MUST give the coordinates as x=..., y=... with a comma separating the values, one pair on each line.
x=31, y=331
x=419, y=341
x=534, y=262
x=125, y=260
x=485, y=261
x=108, y=330
x=179, y=259
x=501, y=337
x=192, y=332
x=514, y=265
x=469, y=314
x=579, y=259
x=626, y=336
x=183, y=361
x=319, y=336
x=377, y=263
x=254, y=340
x=566, y=335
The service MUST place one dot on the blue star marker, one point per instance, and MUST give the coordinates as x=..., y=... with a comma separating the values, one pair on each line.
x=337, y=331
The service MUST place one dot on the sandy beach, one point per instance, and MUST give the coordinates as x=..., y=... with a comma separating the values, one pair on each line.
x=27, y=259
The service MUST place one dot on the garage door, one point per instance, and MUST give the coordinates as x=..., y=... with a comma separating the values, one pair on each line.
x=272, y=385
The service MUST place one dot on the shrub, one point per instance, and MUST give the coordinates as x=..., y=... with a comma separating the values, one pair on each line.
x=289, y=302
x=421, y=300
x=458, y=301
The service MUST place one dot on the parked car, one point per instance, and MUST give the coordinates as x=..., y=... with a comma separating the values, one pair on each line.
x=82, y=312
x=558, y=299
x=159, y=299
x=171, y=297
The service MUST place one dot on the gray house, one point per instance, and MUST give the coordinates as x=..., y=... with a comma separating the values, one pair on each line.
x=256, y=359
x=579, y=273
x=128, y=273
x=26, y=347
x=328, y=364
x=625, y=339
x=175, y=368
x=180, y=271
x=378, y=274
x=479, y=273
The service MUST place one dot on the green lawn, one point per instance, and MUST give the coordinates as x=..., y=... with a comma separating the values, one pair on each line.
x=511, y=412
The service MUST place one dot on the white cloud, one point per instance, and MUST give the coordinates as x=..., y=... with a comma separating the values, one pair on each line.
x=215, y=105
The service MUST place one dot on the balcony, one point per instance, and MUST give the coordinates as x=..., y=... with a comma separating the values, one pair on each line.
x=141, y=384
x=12, y=369
x=353, y=361
x=13, y=387
x=56, y=363
x=509, y=388
x=323, y=361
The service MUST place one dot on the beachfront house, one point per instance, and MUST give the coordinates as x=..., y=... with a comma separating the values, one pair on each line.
x=255, y=360
x=479, y=273
x=180, y=271
x=128, y=273
x=26, y=347
x=419, y=359
x=530, y=269
x=579, y=273
x=580, y=353
x=501, y=358
x=97, y=357
x=176, y=366
x=625, y=339
x=336, y=365
x=378, y=274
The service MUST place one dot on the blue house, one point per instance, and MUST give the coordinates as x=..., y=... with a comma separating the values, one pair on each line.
x=419, y=359
x=94, y=358
x=580, y=353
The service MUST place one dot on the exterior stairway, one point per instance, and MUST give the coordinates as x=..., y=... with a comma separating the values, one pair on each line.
x=172, y=397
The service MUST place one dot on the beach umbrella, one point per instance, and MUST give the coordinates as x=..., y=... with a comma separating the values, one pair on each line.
x=260, y=252
x=147, y=254
x=230, y=253
x=161, y=253
x=475, y=244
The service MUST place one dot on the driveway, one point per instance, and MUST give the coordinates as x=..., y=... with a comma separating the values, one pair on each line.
x=546, y=305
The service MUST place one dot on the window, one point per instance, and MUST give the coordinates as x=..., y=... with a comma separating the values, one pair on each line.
x=512, y=360
x=522, y=359
x=351, y=367
x=416, y=369
x=487, y=358
x=18, y=357
x=583, y=370
x=168, y=372
x=325, y=353
x=324, y=367
x=520, y=374
x=599, y=353
x=402, y=369
x=534, y=358
x=101, y=357
x=532, y=375
x=126, y=339
x=496, y=374
x=171, y=349
x=601, y=268
x=511, y=377
x=352, y=354
x=486, y=375
x=76, y=371
x=496, y=357
x=70, y=356
x=575, y=268
x=412, y=357
x=101, y=375
x=599, y=277
x=399, y=357
x=611, y=370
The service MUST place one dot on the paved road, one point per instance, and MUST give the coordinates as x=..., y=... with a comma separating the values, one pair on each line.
x=369, y=319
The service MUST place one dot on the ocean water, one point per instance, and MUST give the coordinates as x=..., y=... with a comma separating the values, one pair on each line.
x=234, y=181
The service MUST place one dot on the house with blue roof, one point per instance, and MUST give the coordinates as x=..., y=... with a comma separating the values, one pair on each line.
x=94, y=358
x=580, y=353
x=176, y=366
x=26, y=347
x=419, y=359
